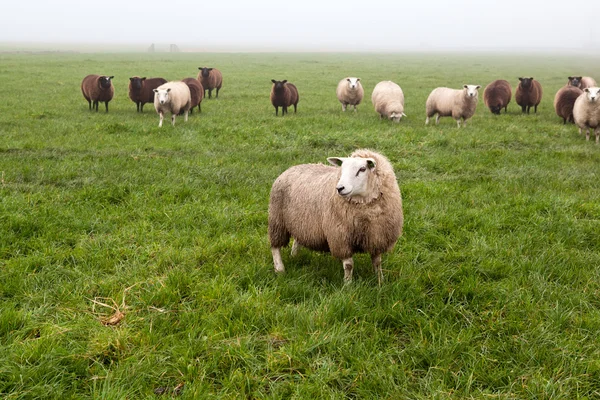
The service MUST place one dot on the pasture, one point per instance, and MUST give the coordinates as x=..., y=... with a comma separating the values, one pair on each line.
x=493, y=291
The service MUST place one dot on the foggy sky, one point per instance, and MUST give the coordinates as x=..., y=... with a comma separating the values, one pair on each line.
x=366, y=25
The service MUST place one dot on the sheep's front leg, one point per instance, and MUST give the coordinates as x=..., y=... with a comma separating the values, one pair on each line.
x=344, y=107
x=161, y=119
x=376, y=261
x=277, y=261
x=186, y=116
x=173, y=119
x=348, y=265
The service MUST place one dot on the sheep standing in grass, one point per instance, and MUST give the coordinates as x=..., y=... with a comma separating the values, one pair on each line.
x=96, y=88
x=284, y=94
x=196, y=92
x=210, y=78
x=581, y=82
x=497, y=95
x=173, y=97
x=388, y=100
x=350, y=92
x=564, y=102
x=455, y=103
x=141, y=90
x=355, y=208
x=529, y=94
x=586, y=112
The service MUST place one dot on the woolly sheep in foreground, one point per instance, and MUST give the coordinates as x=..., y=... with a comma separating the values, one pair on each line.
x=350, y=92
x=529, y=94
x=210, y=78
x=496, y=96
x=564, y=100
x=173, y=97
x=141, y=90
x=586, y=112
x=284, y=94
x=355, y=208
x=96, y=88
x=582, y=82
x=388, y=100
x=455, y=103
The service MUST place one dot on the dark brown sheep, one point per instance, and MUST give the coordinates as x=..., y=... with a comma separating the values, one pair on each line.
x=96, y=88
x=564, y=102
x=196, y=91
x=283, y=95
x=529, y=94
x=497, y=95
x=141, y=90
x=210, y=78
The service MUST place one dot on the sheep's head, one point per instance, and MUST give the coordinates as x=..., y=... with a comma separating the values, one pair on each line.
x=471, y=90
x=205, y=71
x=526, y=83
x=356, y=178
x=162, y=95
x=278, y=85
x=105, y=81
x=137, y=82
x=592, y=93
x=575, y=81
x=353, y=83
x=495, y=109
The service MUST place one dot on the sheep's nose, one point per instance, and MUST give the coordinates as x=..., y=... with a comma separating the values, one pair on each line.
x=340, y=189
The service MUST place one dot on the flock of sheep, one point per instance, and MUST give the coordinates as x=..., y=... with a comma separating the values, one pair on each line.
x=354, y=205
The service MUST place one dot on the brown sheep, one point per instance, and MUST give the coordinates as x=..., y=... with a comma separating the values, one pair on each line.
x=210, y=78
x=141, y=90
x=96, y=88
x=497, y=95
x=196, y=91
x=564, y=102
x=529, y=94
x=283, y=95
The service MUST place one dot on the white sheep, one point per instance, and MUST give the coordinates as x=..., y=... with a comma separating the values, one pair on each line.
x=586, y=112
x=388, y=100
x=457, y=103
x=355, y=208
x=350, y=92
x=173, y=97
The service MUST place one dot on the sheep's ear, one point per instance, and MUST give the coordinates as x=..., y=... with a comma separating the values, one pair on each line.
x=531, y=78
x=284, y=81
x=348, y=79
x=131, y=79
x=357, y=79
x=570, y=78
x=210, y=69
x=464, y=86
x=587, y=90
x=404, y=115
x=579, y=77
x=273, y=80
x=155, y=90
x=110, y=77
x=337, y=161
x=478, y=87
x=520, y=78
x=199, y=67
x=371, y=163
x=168, y=90
x=144, y=78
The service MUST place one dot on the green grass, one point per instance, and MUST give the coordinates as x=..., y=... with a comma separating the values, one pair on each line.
x=492, y=291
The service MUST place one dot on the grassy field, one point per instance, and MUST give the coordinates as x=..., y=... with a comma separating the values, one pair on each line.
x=493, y=291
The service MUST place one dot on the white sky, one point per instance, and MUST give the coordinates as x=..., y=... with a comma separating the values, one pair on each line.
x=307, y=24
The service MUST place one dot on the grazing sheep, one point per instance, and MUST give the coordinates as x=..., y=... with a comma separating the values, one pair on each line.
x=173, y=97
x=586, y=112
x=96, y=88
x=141, y=90
x=284, y=94
x=564, y=102
x=210, y=78
x=388, y=100
x=497, y=95
x=196, y=92
x=350, y=92
x=355, y=208
x=457, y=103
x=529, y=93
x=581, y=82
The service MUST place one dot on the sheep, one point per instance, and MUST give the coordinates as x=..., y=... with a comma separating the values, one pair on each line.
x=284, y=94
x=564, y=101
x=457, y=103
x=388, y=100
x=586, y=112
x=581, y=82
x=173, y=97
x=96, y=88
x=355, y=208
x=210, y=78
x=350, y=92
x=529, y=93
x=196, y=92
x=497, y=95
x=141, y=90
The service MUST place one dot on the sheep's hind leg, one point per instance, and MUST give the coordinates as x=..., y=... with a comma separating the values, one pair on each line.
x=376, y=261
x=348, y=264
x=344, y=107
x=295, y=247
x=277, y=261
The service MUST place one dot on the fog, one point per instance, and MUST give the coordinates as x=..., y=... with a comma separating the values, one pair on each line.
x=309, y=25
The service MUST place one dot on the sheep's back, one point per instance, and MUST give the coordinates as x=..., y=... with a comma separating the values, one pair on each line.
x=196, y=90
x=497, y=92
x=564, y=101
x=441, y=100
x=586, y=82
